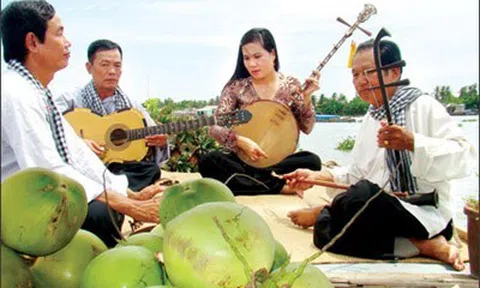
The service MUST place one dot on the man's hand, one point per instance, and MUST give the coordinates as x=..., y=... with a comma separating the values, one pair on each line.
x=295, y=179
x=140, y=210
x=146, y=193
x=156, y=140
x=145, y=211
x=94, y=146
x=394, y=137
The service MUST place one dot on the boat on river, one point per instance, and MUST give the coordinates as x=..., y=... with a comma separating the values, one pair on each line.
x=333, y=118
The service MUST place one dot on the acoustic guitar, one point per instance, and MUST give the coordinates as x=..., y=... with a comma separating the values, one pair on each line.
x=123, y=133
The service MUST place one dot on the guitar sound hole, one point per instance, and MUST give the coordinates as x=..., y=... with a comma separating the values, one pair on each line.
x=118, y=137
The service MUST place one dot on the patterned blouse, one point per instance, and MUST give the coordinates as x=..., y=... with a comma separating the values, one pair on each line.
x=241, y=92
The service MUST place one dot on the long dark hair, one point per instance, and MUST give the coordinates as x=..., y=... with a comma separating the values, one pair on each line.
x=257, y=35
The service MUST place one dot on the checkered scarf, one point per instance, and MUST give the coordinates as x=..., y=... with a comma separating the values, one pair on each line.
x=55, y=119
x=403, y=97
x=93, y=101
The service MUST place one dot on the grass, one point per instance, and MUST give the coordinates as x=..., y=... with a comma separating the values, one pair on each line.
x=472, y=203
x=346, y=145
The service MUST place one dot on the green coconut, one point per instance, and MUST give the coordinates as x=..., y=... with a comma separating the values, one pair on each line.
x=184, y=196
x=41, y=211
x=148, y=240
x=197, y=254
x=64, y=268
x=15, y=272
x=281, y=255
x=126, y=267
x=311, y=277
x=158, y=230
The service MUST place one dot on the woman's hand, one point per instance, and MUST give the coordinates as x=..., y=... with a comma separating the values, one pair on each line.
x=312, y=85
x=250, y=148
x=156, y=140
x=395, y=137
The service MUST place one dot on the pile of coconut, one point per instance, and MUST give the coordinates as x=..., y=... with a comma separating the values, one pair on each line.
x=205, y=239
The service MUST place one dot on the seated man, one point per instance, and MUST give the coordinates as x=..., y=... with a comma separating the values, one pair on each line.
x=34, y=132
x=433, y=152
x=103, y=96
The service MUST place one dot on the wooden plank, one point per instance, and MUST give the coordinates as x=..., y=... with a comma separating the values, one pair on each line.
x=462, y=234
x=402, y=280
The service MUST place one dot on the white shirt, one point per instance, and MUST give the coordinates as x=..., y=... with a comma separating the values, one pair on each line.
x=70, y=100
x=441, y=154
x=27, y=140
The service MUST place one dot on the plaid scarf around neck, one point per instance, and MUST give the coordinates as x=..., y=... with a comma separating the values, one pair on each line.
x=94, y=103
x=55, y=120
x=402, y=98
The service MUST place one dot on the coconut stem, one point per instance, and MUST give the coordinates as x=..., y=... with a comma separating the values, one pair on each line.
x=29, y=260
x=248, y=271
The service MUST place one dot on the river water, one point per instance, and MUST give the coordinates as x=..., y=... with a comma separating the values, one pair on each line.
x=326, y=135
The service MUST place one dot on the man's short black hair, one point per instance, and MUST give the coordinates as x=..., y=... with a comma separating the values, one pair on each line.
x=101, y=45
x=18, y=19
x=389, y=51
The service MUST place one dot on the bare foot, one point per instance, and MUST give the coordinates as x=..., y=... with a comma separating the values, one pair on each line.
x=439, y=248
x=305, y=217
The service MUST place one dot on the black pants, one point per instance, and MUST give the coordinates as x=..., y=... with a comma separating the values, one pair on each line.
x=99, y=222
x=373, y=233
x=221, y=165
x=139, y=174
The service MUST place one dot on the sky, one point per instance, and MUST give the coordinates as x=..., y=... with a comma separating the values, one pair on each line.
x=187, y=50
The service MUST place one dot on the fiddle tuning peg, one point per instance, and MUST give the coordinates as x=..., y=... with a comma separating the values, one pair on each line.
x=339, y=19
x=403, y=82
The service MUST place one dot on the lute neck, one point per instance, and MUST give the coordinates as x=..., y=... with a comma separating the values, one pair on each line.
x=173, y=127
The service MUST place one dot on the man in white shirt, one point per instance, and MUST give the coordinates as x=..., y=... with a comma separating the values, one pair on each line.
x=432, y=151
x=103, y=96
x=35, y=134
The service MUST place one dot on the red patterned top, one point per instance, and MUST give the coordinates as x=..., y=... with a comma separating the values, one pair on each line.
x=241, y=92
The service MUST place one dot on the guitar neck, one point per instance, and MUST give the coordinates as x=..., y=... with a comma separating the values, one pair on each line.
x=169, y=128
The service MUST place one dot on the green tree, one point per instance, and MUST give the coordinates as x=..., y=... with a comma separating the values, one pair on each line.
x=188, y=146
x=314, y=101
x=445, y=95
x=356, y=107
x=469, y=96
